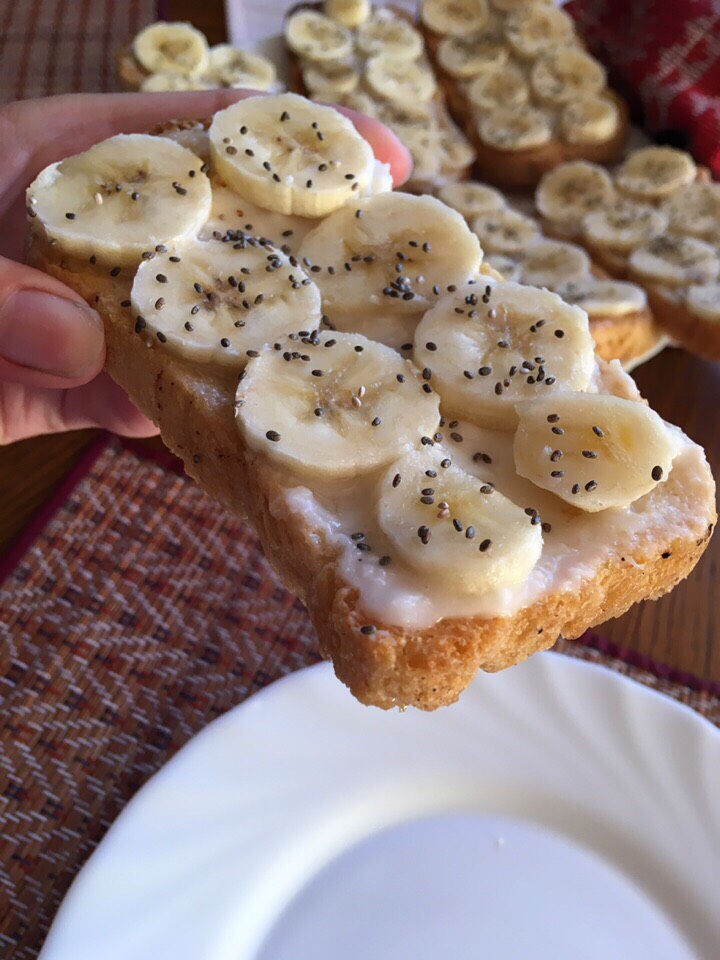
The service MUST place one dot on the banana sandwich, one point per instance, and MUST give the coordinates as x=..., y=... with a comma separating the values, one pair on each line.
x=520, y=83
x=621, y=321
x=176, y=56
x=655, y=220
x=373, y=59
x=434, y=459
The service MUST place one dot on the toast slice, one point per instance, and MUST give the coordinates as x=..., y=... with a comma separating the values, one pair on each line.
x=387, y=657
x=520, y=167
x=440, y=150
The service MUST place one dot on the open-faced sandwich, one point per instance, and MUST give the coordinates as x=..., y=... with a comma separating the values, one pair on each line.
x=434, y=459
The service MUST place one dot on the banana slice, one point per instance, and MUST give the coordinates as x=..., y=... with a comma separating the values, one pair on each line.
x=477, y=541
x=623, y=225
x=234, y=219
x=290, y=155
x=549, y=263
x=589, y=120
x=604, y=298
x=350, y=13
x=358, y=100
x=565, y=74
x=471, y=199
x=565, y=194
x=675, y=261
x=505, y=230
x=456, y=154
x=655, y=172
x=499, y=88
x=231, y=67
x=314, y=36
x=392, y=260
x=704, y=301
x=334, y=405
x=515, y=128
x=401, y=81
x=592, y=450
x=189, y=134
x=488, y=346
x=171, y=48
x=385, y=33
x=212, y=302
x=172, y=82
x=454, y=18
x=327, y=80
x=465, y=57
x=509, y=268
x=121, y=197
x=694, y=210
x=531, y=30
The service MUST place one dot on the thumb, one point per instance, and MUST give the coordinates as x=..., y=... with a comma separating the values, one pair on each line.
x=49, y=336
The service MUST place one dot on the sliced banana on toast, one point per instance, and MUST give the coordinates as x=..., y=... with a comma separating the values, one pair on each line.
x=229, y=66
x=505, y=230
x=453, y=528
x=385, y=33
x=488, y=346
x=550, y=263
x=392, y=253
x=655, y=172
x=534, y=29
x=212, y=302
x=593, y=451
x=290, y=155
x=327, y=80
x=694, y=210
x=400, y=81
x=566, y=74
x=120, y=198
x=675, y=261
x=502, y=87
x=334, y=405
x=515, y=128
x=454, y=18
x=351, y=13
x=465, y=57
x=565, y=194
x=604, y=298
x=471, y=199
x=232, y=219
x=589, y=120
x=172, y=48
x=314, y=36
x=623, y=225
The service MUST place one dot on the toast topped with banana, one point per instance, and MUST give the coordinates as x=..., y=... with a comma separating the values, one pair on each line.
x=621, y=321
x=654, y=220
x=372, y=58
x=519, y=82
x=434, y=459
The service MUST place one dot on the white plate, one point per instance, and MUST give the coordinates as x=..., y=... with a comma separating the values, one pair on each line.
x=557, y=811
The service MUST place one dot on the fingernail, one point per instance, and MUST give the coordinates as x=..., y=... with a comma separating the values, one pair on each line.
x=50, y=334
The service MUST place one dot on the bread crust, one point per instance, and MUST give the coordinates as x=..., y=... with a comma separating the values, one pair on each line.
x=414, y=184
x=521, y=169
x=696, y=334
x=427, y=668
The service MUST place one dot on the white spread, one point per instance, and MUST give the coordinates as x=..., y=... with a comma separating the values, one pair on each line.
x=575, y=547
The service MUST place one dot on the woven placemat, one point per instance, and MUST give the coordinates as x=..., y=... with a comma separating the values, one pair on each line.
x=132, y=613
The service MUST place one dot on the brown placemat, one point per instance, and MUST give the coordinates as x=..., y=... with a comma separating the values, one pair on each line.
x=65, y=46
x=133, y=612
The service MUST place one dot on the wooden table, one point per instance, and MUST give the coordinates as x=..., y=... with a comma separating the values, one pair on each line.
x=681, y=630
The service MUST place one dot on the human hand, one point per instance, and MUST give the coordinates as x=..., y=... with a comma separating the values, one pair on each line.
x=52, y=344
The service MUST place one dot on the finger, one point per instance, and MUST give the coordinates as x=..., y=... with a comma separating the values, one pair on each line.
x=49, y=336
x=385, y=144
x=32, y=411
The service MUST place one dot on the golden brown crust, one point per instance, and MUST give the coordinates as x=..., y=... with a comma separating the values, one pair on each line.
x=697, y=335
x=518, y=169
x=444, y=116
x=426, y=668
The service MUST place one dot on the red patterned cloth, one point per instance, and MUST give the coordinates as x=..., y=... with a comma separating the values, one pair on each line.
x=664, y=57
x=65, y=46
